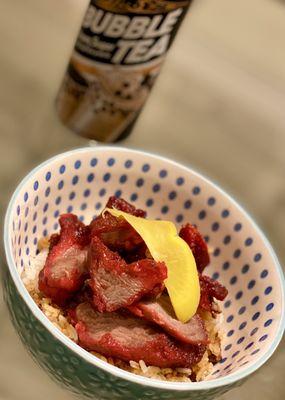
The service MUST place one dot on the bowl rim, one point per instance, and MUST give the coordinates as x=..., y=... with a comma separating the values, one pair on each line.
x=91, y=359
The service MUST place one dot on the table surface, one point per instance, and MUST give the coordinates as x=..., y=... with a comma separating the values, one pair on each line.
x=218, y=106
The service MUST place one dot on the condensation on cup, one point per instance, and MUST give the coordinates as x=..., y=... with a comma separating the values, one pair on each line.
x=117, y=57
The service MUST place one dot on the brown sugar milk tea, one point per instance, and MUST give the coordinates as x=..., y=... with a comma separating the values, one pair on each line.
x=117, y=57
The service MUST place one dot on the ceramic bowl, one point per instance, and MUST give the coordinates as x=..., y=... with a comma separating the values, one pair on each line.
x=81, y=181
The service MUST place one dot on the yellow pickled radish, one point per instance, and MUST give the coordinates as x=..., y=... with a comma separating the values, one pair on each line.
x=165, y=245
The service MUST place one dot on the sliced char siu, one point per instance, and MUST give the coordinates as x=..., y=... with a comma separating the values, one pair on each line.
x=130, y=338
x=197, y=244
x=210, y=290
x=161, y=312
x=115, y=283
x=65, y=267
x=117, y=233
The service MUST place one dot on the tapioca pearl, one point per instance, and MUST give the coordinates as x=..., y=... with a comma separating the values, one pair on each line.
x=106, y=177
x=263, y=338
x=77, y=164
x=69, y=209
x=60, y=185
x=268, y=290
x=163, y=173
x=118, y=193
x=241, y=359
x=62, y=169
x=56, y=214
x=236, y=353
x=128, y=164
x=179, y=218
x=90, y=177
x=156, y=188
x=237, y=227
x=149, y=202
x=93, y=162
x=187, y=204
x=83, y=206
x=58, y=200
x=239, y=295
x=233, y=280
x=249, y=345
x=225, y=213
x=248, y=242
x=172, y=195
x=230, y=318
x=98, y=205
x=35, y=241
x=253, y=332
x=47, y=191
x=215, y=275
x=26, y=227
x=22, y=262
x=196, y=190
x=55, y=226
x=242, y=325
x=227, y=304
x=19, y=240
x=133, y=197
x=140, y=182
x=34, y=229
x=45, y=208
x=180, y=181
x=255, y=316
x=35, y=215
x=227, y=239
x=86, y=193
x=223, y=360
x=255, y=352
x=227, y=367
x=202, y=214
x=228, y=347
x=226, y=265
x=102, y=192
x=268, y=323
x=216, y=252
x=145, y=167
x=123, y=178
x=48, y=176
x=240, y=340
x=18, y=210
x=45, y=232
x=44, y=221
x=269, y=306
x=216, y=372
x=237, y=253
x=207, y=238
x=75, y=180
x=245, y=269
x=20, y=224
x=81, y=218
x=257, y=257
x=164, y=209
x=264, y=274
x=254, y=300
x=27, y=251
x=242, y=310
x=251, y=284
x=111, y=162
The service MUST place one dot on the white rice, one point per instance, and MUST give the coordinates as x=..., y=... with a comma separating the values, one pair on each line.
x=56, y=316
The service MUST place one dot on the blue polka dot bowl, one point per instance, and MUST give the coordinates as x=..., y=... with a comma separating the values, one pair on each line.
x=81, y=181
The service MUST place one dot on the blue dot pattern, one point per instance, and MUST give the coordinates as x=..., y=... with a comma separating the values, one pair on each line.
x=82, y=184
